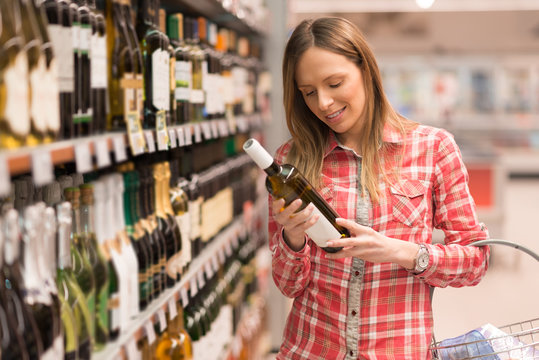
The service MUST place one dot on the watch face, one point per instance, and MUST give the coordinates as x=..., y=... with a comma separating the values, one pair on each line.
x=423, y=260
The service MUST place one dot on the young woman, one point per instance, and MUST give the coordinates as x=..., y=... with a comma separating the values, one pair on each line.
x=392, y=181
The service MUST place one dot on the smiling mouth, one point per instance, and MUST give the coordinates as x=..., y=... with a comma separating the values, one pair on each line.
x=335, y=114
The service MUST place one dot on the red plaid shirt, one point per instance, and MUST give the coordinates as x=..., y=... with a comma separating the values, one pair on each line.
x=353, y=309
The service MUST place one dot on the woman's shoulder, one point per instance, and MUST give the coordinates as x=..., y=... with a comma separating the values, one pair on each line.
x=283, y=150
x=432, y=133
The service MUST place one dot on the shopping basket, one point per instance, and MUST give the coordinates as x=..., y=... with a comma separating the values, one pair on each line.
x=509, y=342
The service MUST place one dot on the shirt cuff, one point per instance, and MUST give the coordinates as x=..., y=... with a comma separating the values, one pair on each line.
x=291, y=254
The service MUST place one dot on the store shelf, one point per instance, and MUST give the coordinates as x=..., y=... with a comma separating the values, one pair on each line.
x=215, y=253
x=215, y=11
x=88, y=152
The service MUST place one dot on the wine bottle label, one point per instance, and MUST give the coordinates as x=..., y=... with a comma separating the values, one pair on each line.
x=322, y=231
x=194, y=210
x=183, y=81
x=52, y=96
x=85, y=36
x=58, y=346
x=75, y=36
x=184, y=223
x=99, y=62
x=197, y=96
x=38, y=89
x=67, y=62
x=171, y=266
x=49, y=354
x=160, y=80
x=163, y=140
x=16, y=110
x=113, y=306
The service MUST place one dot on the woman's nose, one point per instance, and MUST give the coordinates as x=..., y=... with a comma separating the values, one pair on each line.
x=324, y=101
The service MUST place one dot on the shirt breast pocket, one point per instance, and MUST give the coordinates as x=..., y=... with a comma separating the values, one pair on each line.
x=409, y=202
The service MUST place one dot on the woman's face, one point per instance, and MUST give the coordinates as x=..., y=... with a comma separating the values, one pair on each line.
x=332, y=87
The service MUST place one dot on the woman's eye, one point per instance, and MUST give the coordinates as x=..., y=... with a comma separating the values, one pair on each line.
x=309, y=93
x=335, y=85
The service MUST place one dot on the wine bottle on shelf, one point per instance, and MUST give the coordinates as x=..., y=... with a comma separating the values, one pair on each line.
x=197, y=58
x=110, y=250
x=285, y=181
x=13, y=286
x=167, y=205
x=165, y=226
x=50, y=90
x=117, y=227
x=37, y=68
x=182, y=89
x=77, y=67
x=37, y=295
x=71, y=294
x=81, y=265
x=138, y=62
x=52, y=198
x=14, y=81
x=98, y=51
x=174, y=342
x=59, y=29
x=91, y=251
x=144, y=255
x=13, y=345
x=180, y=205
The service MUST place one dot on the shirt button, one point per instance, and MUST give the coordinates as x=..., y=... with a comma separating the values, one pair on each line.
x=354, y=313
x=357, y=273
x=351, y=353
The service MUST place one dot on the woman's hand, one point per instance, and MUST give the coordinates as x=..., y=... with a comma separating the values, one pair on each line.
x=369, y=245
x=294, y=223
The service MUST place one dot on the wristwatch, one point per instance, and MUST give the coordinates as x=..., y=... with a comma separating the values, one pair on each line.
x=421, y=259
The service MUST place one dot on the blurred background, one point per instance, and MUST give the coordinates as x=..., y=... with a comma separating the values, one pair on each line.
x=471, y=67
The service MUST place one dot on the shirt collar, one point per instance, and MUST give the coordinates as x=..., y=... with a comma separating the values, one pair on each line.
x=389, y=135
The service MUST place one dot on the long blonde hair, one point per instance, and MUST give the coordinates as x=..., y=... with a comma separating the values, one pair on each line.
x=309, y=134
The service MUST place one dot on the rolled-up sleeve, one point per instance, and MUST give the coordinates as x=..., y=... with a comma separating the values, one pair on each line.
x=454, y=263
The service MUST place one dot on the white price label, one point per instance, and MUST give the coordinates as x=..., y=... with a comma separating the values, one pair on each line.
x=150, y=332
x=215, y=263
x=181, y=136
x=188, y=135
x=172, y=136
x=206, y=130
x=83, y=157
x=102, y=153
x=215, y=128
x=223, y=128
x=193, y=286
x=150, y=141
x=42, y=169
x=184, y=296
x=221, y=255
x=198, y=133
x=162, y=319
x=201, y=281
x=5, y=179
x=172, y=309
x=162, y=140
x=132, y=350
x=228, y=248
x=118, y=143
x=209, y=270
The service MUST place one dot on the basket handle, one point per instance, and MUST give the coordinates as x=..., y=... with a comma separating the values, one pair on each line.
x=506, y=243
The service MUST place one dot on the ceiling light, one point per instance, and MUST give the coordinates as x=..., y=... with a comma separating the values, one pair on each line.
x=424, y=4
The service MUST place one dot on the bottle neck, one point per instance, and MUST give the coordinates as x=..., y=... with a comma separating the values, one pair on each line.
x=158, y=188
x=64, y=235
x=273, y=169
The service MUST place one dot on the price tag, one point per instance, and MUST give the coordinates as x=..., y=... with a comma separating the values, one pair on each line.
x=215, y=128
x=223, y=128
x=193, y=287
x=201, y=281
x=221, y=255
x=215, y=263
x=172, y=136
x=42, y=170
x=206, y=130
x=209, y=270
x=118, y=143
x=162, y=140
x=131, y=349
x=172, y=310
x=83, y=157
x=181, y=136
x=162, y=319
x=150, y=141
x=228, y=248
x=184, y=296
x=150, y=332
x=5, y=179
x=198, y=133
x=188, y=135
x=102, y=153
